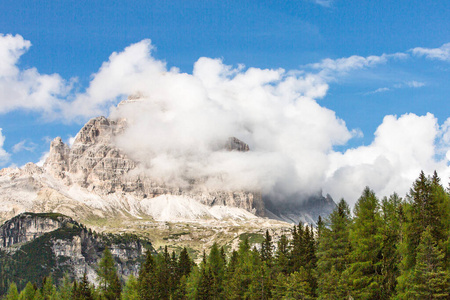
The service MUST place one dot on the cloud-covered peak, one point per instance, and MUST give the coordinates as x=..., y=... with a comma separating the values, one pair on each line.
x=177, y=129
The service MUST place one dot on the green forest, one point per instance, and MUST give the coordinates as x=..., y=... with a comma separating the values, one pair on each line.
x=390, y=248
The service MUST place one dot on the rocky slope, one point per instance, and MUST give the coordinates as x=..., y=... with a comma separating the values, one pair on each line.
x=94, y=178
x=94, y=182
x=35, y=245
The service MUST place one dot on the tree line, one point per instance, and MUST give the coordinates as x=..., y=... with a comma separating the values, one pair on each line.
x=391, y=248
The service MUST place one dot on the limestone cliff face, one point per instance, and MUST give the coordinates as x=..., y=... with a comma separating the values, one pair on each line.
x=94, y=163
x=69, y=246
x=27, y=227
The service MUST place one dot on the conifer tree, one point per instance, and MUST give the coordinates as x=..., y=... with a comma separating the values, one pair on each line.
x=28, y=292
x=82, y=290
x=131, y=289
x=162, y=277
x=282, y=255
x=428, y=206
x=333, y=253
x=215, y=272
x=75, y=295
x=65, y=288
x=13, y=293
x=391, y=214
x=267, y=248
x=293, y=286
x=417, y=219
x=297, y=257
x=48, y=289
x=240, y=271
x=184, y=263
x=365, y=267
x=108, y=278
x=429, y=279
x=147, y=278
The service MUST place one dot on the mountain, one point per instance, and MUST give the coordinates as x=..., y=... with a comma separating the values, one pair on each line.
x=33, y=246
x=95, y=182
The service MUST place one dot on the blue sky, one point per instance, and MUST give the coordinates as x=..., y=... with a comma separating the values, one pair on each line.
x=70, y=40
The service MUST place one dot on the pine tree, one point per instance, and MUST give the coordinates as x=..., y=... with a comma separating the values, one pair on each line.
x=147, y=278
x=28, y=292
x=333, y=253
x=416, y=223
x=428, y=206
x=429, y=279
x=282, y=255
x=84, y=289
x=131, y=289
x=297, y=257
x=293, y=286
x=48, y=289
x=13, y=293
x=75, y=295
x=184, y=263
x=65, y=288
x=216, y=272
x=240, y=269
x=365, y=267
x=267, y=248
x=391, y=211
x=107, y=274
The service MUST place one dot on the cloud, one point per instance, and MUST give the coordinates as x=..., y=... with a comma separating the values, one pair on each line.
x=408, y=84
x=401, y=149
x=441, y=53
x=24, y=145
x=4, y=156
x=324, y=3
x=43, y=158
x=379, y=90
x=177, y=129
x=330, y=69
x=415, y=84
x=26, y=89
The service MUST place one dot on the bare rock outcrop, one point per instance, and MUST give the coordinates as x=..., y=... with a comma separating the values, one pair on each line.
x=94, y=163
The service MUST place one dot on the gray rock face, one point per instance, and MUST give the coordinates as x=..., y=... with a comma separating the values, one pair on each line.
x=27, y=227
x=94, y=163
x=73, y=247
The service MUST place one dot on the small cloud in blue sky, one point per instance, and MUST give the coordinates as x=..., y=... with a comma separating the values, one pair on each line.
x=411, y=84
x=407, y=84
x=378, y=90
x=441, y=53
x=24, y=145
x=4, y=156
x=324, y=3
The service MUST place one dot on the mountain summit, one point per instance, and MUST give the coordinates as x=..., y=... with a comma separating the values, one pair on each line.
x=95, y=182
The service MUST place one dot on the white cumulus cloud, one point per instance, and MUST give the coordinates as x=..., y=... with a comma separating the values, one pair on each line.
x=176, y=131
x=402, y=147
x=26, y=89
x=441, y=53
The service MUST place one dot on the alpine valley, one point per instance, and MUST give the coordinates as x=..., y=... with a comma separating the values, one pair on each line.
x=90, y=195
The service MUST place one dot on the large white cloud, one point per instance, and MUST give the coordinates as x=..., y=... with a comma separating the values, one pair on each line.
x=178, y=128
x=402, y=147
x=26, y=89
